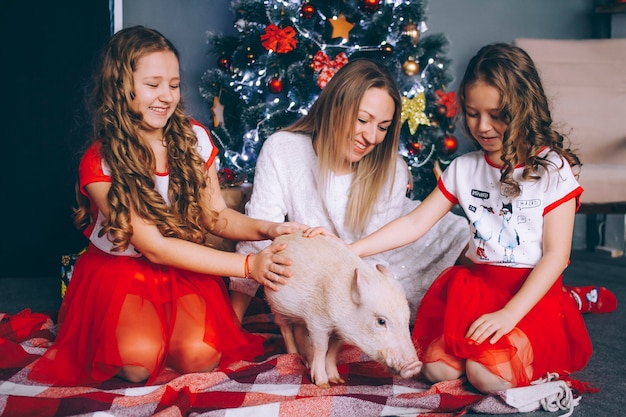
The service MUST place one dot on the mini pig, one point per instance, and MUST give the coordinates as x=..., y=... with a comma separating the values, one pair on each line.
x=335, y=297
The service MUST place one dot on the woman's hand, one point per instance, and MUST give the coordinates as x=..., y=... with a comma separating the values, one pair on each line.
x=492, y=325
x=319, y=230
x=269, y=268
x=285, y=228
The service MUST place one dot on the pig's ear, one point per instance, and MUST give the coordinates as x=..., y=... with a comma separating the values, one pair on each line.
x=383, y=269
x=355, y=291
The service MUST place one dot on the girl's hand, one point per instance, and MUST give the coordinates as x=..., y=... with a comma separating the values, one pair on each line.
x=492, y=325
x=269, y=268
x=285, y=228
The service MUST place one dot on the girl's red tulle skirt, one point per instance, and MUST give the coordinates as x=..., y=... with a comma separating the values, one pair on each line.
x=554, y=328
x=86, y=350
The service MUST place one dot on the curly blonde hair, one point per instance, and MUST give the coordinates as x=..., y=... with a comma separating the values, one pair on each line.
x=332, y=118
x=132, y=161
x=523, y=107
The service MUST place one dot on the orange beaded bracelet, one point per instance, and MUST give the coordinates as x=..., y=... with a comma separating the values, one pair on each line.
x=246, y=267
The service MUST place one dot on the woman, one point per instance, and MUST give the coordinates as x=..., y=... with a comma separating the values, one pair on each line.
x=338, y=167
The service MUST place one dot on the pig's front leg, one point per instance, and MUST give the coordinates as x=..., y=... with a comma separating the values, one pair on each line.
x=331, y=361
x=319, y=340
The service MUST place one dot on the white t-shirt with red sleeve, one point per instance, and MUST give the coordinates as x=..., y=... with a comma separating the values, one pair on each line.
x=507, y=231
x=93, y=168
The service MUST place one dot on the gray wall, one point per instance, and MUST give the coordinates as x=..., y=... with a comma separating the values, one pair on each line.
x=471, y=24
x=185, y=23
x=468, y=24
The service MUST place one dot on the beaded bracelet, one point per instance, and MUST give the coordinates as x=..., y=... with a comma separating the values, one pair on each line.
x=246, y=267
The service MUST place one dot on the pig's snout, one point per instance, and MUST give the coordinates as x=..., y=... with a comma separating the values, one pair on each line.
x=406, y=368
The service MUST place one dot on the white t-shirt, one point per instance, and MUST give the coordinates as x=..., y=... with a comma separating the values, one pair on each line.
x=506, y=231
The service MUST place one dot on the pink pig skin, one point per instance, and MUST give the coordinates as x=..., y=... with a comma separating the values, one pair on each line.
x=335, y=297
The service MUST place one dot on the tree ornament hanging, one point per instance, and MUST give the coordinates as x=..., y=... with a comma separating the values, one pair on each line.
x=449, y=103
x=370, y=6
x=416, y=148
x=327, y=67
x=218, y=112
x=279, y=40
x=413, y=111
x=450, y=144
x=411, y=30
x=410, y=67
x=275, y=85
x=307, y=11
x=223, y=62
x=341, y=27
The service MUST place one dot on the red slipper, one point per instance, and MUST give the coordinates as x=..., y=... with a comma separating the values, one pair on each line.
x=592, y=299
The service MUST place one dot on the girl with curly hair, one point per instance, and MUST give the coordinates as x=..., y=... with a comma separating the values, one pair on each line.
x=506, y=319
x=148, y=293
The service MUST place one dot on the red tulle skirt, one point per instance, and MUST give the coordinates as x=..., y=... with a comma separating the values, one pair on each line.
x=110, y=296
x=554, y=328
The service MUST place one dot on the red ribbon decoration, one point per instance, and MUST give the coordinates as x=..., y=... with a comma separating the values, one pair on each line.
x=327, y=67
x=279, y=40
x=449, y=101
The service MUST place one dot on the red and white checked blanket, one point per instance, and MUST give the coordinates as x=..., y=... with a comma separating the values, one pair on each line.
x=277, y=384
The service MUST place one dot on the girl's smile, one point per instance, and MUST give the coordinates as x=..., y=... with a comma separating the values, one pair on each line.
x=156, y=84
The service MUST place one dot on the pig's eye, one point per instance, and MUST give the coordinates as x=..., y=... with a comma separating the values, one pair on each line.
x=381, y=322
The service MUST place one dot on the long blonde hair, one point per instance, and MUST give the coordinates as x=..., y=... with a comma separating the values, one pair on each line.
x=332, y=119
x=132, y=161
x=523, y=107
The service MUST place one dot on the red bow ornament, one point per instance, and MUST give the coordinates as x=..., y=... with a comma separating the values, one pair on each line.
x=449, y=101
x=327, y=67
x=279, y=40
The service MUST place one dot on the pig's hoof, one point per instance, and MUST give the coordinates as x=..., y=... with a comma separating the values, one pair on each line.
x=338, y=380
x=333, y=375
x=324, y=386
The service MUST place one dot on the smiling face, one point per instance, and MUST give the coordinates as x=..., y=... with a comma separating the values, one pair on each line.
x=374, y=118
x=156, y=83
x=482, y=115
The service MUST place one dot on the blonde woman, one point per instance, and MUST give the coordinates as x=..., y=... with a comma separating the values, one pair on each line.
x=338, y=167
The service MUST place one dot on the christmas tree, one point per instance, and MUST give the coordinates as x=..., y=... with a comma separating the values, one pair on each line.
x=286, y=52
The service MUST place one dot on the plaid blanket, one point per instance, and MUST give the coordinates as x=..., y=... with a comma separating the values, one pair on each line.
x=276, y=384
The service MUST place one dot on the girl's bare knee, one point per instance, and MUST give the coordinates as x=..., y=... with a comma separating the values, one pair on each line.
x=194, y=357
x=440, y=371
x=134, y=373
x=484, y=380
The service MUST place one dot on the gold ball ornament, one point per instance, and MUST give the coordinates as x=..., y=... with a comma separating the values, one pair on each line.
x=410, y=67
